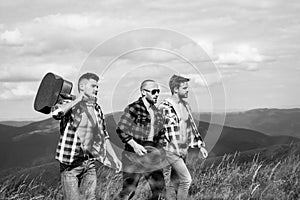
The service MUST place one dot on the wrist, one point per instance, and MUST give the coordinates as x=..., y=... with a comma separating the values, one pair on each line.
x=132, y=143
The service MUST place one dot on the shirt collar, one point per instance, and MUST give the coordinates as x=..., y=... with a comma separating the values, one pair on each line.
x=146, y=103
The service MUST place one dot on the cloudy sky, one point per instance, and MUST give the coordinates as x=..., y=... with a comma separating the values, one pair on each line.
x=239, y=54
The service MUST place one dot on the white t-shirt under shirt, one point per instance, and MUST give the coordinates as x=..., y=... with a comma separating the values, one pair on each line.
x=151, y=112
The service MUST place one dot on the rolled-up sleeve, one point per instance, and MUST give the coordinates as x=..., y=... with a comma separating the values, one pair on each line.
x=57, y=112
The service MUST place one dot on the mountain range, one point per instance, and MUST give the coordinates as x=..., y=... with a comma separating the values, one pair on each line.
x=273, y=122
x=34, y=144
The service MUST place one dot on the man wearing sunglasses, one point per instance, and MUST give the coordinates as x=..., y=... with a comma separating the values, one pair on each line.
x=181, y=133
x=141, y=126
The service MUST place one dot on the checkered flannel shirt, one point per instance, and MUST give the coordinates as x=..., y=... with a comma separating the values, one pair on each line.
x=172, y=127
x=135, y=123
x=69, y=148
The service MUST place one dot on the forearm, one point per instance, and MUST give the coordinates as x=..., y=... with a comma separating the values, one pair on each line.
x=67, y=106
x=110, y=149
x=132, y=143
x=60, y=109
x=123, y=135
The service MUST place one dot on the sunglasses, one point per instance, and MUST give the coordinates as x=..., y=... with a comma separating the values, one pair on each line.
x=154, y=91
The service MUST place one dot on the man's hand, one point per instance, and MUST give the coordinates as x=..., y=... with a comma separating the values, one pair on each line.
x=138, y=149
x=204, y=152
x=62, y=108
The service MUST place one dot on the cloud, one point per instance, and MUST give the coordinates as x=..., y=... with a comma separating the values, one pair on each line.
x=193, y=52
x=13, y=37
x=243, y=54
x=161, y=46
x=244, y=57
x=77, y=22
x=33, y=73
x=17, y=91
x=208, y=47
x=151, y=55
x=59, y=32
x=205, y=80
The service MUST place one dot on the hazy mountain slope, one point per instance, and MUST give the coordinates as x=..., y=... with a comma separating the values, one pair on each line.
x=35, y=143
x=269, y=121
x=15, y=123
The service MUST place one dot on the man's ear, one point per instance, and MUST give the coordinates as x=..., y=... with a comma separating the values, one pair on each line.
x=81, y=86
x=176, y=90
x=143, y=92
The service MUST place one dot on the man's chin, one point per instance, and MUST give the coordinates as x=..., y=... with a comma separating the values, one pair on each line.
x=91, y=99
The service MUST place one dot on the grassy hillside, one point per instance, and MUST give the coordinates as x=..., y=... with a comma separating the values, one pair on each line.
x=261, y=174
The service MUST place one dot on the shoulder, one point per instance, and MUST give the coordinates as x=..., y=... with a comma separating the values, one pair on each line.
x=135, y=106
x=166, y=108
x=165, y=104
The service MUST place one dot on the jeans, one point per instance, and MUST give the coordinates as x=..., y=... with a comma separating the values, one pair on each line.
x=177, y=177
x=79, y=180
x=131, y=179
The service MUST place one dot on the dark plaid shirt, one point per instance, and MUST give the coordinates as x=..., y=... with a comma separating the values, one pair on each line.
x=135, y=123
x=172, y=127
x=69, y=146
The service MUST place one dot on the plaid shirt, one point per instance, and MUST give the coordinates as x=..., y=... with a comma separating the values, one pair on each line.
x=135, y=123
x=69, y=146
x=172, y=127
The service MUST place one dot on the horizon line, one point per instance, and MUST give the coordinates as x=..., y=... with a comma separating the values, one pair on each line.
x=233, y=110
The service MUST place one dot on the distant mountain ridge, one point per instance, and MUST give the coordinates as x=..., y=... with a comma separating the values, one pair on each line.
x=35, y=143
x=273, y=122
x=16, y=123
x=241, y=139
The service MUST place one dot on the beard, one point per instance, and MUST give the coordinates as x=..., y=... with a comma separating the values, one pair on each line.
x=184, y=96
x=152, y=100
x=90, y=99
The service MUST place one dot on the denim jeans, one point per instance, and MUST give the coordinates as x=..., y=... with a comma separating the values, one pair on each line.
x=177, y=177
x=79, y=180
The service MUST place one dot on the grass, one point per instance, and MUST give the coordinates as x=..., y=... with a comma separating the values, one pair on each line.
x=229, y=177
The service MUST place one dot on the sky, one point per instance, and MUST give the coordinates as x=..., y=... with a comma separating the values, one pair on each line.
x=239, y=54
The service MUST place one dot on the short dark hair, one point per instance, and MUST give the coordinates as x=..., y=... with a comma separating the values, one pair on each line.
x=175, y=82
x=88, y=76
x=145, y=82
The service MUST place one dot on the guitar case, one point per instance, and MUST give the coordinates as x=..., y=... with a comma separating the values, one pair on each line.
x=52, y=89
